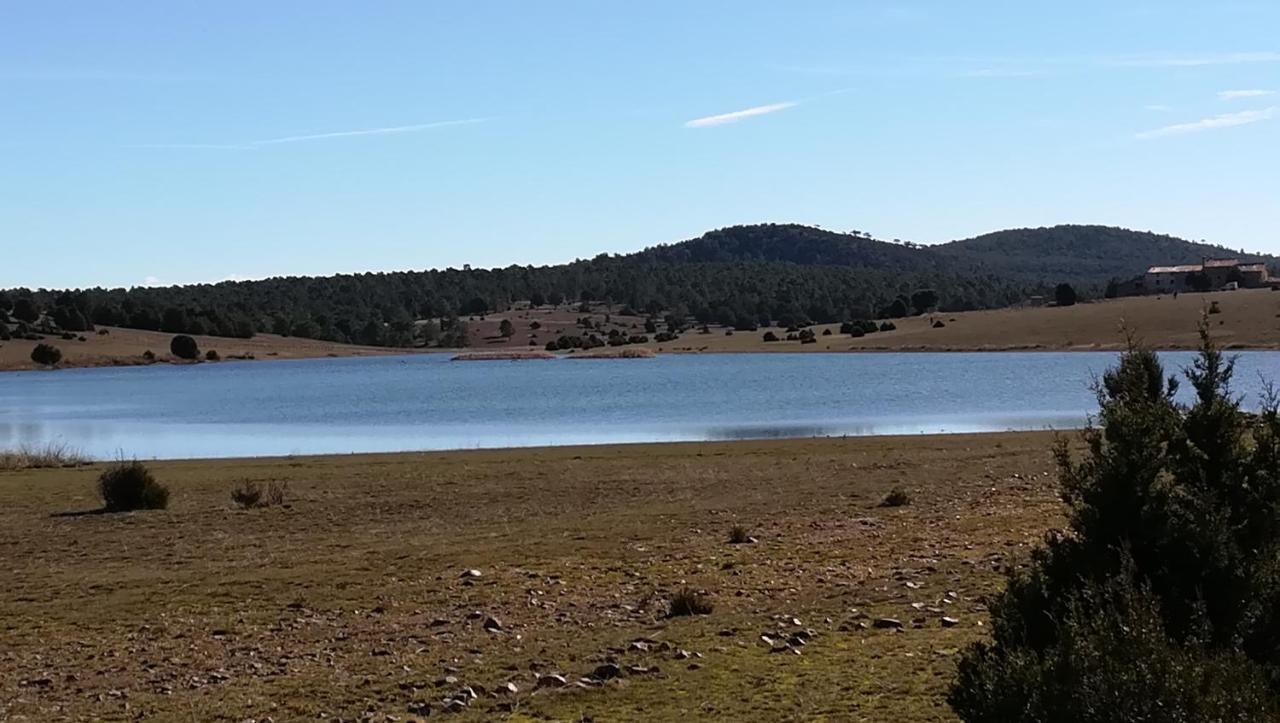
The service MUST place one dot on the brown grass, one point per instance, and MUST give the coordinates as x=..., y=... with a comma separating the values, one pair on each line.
x=350, y=602
x=124, y=347
x=50, y=455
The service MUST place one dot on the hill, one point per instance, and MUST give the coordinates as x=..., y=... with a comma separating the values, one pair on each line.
x=1087, y=254
x=743, y=276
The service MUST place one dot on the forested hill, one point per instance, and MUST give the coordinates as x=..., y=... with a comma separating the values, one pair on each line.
x=1086, y=254
x=743, y=275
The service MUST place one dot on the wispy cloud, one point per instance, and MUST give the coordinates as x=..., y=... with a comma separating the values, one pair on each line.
x=253, y=145
x=1000, y=73
x=1226, y=120
x=1237, y=94
x=368, y=132
x=1192, y=61
x=737, y=115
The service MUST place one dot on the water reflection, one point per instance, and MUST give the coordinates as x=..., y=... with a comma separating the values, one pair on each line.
x=424, y=402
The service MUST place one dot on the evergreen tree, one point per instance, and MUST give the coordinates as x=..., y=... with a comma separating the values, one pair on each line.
x=1162, y=601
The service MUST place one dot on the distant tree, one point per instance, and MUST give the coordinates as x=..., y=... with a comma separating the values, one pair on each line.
x=46, y=355
x=371, y=333
x=476, y=307
x=537, y=299
x=896, y=310
x=924, y=300
x=650, y=327
x=1064, y=295
x=25, y=309
x=6, y=303
x=770, y=336
x=1113, y=289
x=69, y=318
x=507, y=329
x=173, y=321
x=184, y=347
x=1161, y=602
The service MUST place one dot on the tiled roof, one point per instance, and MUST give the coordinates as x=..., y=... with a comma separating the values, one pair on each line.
x=1188, y=269
x=1219, y=263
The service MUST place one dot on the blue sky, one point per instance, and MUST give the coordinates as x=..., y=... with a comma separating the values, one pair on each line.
x=175, y=142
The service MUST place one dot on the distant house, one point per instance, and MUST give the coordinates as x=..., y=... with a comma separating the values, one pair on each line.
x=1211, y=274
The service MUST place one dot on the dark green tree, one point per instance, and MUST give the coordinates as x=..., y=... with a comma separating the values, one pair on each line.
x=1162, y=601
x=507, y=329
x=184, y=347
x=25, y=309
x=924, y=300
x=46, y=355
x=1064, y=295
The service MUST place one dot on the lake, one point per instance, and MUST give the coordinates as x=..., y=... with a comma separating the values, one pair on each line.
x=427, y=402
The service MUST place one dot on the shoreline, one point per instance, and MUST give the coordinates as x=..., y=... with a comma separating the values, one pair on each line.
x=368, y=352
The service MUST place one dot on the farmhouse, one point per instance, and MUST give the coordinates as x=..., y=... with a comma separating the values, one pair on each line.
x=1206, y=276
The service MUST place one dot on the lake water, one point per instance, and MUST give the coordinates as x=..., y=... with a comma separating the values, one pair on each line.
x=427, y=402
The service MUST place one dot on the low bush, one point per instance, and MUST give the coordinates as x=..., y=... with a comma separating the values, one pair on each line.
x=1214, y=308
x=128, y=486
x=184, y=347
x=149, y=355
x=212, y=355
x=250, y=495
x=939, y=324
x=46, y=355
x=888, y=326
x=770, y=336
x=688, y=601
x=738, y=535
x=897, y=497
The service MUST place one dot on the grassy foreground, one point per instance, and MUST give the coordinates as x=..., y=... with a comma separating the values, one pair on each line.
x=349, y=602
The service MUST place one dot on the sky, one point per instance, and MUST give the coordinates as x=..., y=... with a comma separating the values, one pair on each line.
x=147, y=143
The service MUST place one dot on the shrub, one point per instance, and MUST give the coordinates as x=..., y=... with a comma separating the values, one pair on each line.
x=738, y=535
x=212, y=355
x=51, y=455
x=184, y=347
x=4, y=332
x=939, y=324
x=897, y=497
x=103, y=332
x=46, y=355
x=1160, y=603
x=826, y=332
x=130, y=486
x=149, y=355
x=688, y=601
x=250, y=495
x=1064, y=295
x=888, y=326
x=770, y=336
x=1214, y=308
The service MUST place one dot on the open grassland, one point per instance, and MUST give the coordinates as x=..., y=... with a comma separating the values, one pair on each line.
x=1249, y=319
x=350, y=601
x=125, y=347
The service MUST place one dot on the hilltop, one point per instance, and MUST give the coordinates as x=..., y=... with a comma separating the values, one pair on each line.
x=742, y=276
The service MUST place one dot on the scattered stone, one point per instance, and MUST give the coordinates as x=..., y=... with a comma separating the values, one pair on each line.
x=950, y=622
x=888, y=623
x=492, y=624
x=642, y=670
x=453, y=705
x=446, y=680
x=551, y=680
x=507, y=688
x=472, y=573
x=683, y=655
x=438, y=623
x=639, y=646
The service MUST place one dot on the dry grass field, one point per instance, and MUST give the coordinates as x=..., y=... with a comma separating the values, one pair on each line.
x=124, y=347
x=1249, y=319
x=350, y=601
